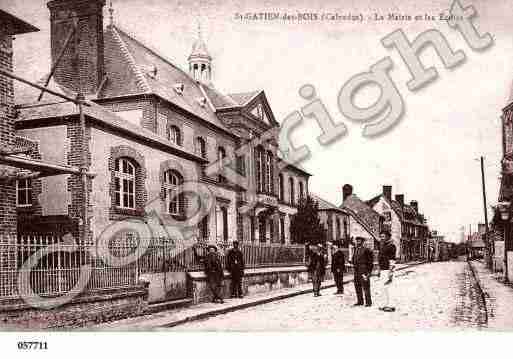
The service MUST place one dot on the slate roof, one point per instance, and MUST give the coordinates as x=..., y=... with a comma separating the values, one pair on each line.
x=146, y=71
x=12, y=25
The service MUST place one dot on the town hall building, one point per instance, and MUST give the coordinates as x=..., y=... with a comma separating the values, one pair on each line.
x=147, y=127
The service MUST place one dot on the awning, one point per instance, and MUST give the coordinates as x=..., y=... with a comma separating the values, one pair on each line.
x=42, y=168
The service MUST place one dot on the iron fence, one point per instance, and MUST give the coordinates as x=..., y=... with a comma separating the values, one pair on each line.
x=48, y=265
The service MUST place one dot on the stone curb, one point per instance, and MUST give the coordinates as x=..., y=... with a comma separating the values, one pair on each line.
x=480, y=287
x=236, y=307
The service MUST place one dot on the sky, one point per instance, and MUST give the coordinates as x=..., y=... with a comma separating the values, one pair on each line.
x=431, y=156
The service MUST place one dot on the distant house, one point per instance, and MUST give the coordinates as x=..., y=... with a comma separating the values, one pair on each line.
x=404, y=221
x=363, y=220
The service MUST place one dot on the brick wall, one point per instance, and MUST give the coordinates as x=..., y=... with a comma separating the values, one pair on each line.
x=7, y=186
x=82, y=66
x=83, y=311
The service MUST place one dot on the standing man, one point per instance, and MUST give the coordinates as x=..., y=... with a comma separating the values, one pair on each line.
x=363, y=261
x=214, y=273
x=316, y=268
x=338, y=267
x=386, y=260
x=235, y=264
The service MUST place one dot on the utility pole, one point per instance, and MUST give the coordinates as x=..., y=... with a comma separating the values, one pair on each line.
x=487, y=244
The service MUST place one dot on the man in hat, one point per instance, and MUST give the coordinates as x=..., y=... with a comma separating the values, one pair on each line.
x=214, y=273
x=235, y=265
x=363, y=261
x=338, y=267
x=386, y=260
x=316, y=268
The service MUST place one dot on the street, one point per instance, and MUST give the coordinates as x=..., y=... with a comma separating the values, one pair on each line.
x=436, y=296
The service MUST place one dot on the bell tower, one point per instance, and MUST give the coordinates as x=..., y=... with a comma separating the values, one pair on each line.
x=200, y=61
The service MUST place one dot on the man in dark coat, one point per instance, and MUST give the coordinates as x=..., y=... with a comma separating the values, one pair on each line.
x=363, y=261
x=316, y=269
x=214, y=273
x=235, y=265
x=338, y=267
x=386, y=261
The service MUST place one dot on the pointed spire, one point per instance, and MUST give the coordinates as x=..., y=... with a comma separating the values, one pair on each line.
x=111, y=12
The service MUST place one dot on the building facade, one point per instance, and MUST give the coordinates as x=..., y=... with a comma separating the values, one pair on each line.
x=157, y=141
x=406, y=224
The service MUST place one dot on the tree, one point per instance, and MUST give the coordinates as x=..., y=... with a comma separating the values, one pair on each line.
x=306, y=227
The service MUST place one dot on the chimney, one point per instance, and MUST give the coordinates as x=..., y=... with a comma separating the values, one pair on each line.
x=81, y=67
x=347, y=190
x=400, y=198
x=387, y=192
x=415, y=206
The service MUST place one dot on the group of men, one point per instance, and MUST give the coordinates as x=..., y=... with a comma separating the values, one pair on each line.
x=214, y=271
x=362, y=261
x=363, y=265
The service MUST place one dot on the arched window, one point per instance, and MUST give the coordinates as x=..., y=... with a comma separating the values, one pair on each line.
x=280, y=187
x=291, y=188
x=201, y=147
x=124, y=183
x=221, y=153
x=174, y=200
x=269, y=172
x=174, y=135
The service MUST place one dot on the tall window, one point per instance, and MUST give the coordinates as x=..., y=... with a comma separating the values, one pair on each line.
x=338, y=229
x=172, y=180
x=221, y=153
x=280, y=187
x=24, y=192
x=124, y=183
x=241, y=165
x=203, y=228
x=174, y=135
x=200, y=147
x=291, y=188
x=260, y=164
x=269, y=172
x=301, y=191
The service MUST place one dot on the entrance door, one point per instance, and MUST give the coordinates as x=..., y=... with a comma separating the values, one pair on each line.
x=262, y=230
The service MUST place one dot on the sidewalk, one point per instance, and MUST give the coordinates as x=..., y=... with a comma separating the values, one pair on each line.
x=174, y=317
x=498, y=297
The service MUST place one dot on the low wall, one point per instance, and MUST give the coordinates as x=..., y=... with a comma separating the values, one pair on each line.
x=90, y=309
x=257, y=280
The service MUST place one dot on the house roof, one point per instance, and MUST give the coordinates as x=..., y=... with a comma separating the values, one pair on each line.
x=97, y=112
x=399, y=209
x=12, y=25
x=362, y=212
x=325, y=205
x=243, y=98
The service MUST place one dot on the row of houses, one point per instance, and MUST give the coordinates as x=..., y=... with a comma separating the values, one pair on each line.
x=356, y=217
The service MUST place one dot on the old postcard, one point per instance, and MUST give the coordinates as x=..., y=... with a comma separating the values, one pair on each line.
x=208, y=165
